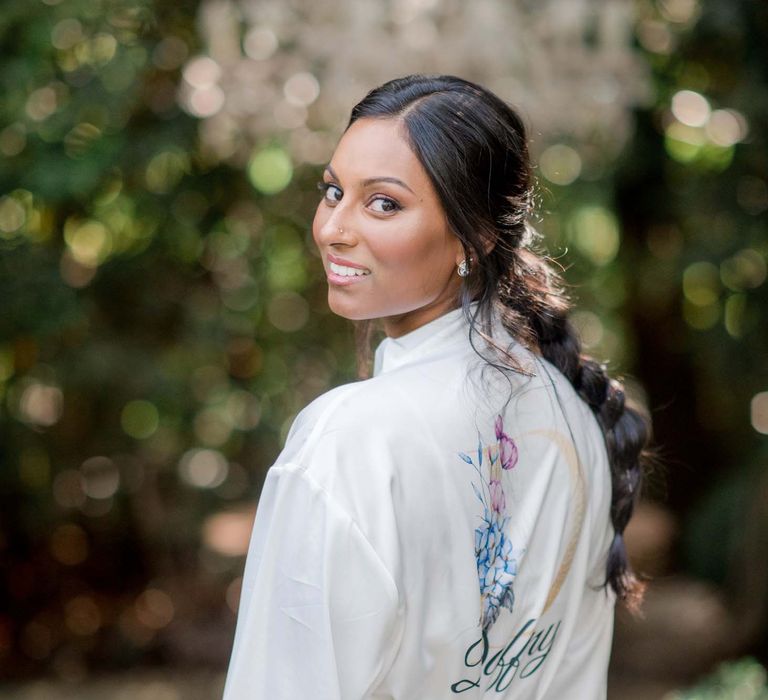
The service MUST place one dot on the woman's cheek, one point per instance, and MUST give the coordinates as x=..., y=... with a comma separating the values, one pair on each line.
x=398, y=247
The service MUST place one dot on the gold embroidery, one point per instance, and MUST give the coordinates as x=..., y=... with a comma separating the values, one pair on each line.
x=580, y=495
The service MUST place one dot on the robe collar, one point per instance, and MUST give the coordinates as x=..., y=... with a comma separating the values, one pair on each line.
x=392, y=353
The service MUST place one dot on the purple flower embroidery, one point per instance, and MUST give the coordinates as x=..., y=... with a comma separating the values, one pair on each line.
x=496, y=560
x=498, y=502
x=507, y=447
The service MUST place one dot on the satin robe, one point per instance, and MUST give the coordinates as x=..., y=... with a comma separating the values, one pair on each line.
x=439, y=530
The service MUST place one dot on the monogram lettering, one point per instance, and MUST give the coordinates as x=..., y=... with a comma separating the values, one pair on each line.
x=520, y=658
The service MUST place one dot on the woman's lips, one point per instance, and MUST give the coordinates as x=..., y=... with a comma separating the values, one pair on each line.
x=344, y=280
x=343, y=274
x=347, y=263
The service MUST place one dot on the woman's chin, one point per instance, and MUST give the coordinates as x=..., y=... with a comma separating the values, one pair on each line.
x=345, y=309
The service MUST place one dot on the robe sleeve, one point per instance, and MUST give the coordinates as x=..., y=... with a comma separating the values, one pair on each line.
x=319, y=614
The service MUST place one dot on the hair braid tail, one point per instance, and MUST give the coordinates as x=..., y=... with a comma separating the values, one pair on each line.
x=532, y=296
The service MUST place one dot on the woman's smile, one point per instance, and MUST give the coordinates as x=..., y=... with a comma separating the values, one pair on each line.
x=344, y=272
x=338, y=274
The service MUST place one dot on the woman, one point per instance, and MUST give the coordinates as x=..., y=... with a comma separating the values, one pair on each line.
x=452, y=525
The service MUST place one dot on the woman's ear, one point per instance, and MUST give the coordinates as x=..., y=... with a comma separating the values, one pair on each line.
x=458, y=248
x=488, y=241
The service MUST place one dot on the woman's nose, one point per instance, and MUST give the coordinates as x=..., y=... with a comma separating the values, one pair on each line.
x=336, y=230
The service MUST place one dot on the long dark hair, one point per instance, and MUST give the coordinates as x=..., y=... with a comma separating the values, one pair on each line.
x=474, y=149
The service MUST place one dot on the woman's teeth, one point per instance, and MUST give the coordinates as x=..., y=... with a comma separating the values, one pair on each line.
x=347, y=271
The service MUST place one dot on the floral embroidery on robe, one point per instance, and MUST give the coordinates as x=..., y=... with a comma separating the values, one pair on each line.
x=496, y=557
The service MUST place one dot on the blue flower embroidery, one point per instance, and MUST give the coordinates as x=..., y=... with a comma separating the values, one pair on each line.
x=496, y=561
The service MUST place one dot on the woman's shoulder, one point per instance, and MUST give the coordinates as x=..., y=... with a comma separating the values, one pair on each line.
x=353, y=410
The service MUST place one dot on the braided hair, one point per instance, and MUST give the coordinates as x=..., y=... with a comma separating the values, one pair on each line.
x=473, y=147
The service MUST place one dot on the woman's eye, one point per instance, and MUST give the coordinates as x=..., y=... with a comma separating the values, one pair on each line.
x=384, y=205
x=331, y=193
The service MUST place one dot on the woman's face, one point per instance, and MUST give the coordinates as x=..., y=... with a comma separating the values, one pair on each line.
x=386, y=246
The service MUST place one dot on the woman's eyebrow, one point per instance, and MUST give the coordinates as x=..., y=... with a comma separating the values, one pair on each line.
x=373, y=180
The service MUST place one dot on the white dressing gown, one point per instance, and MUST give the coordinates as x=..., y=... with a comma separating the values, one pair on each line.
x=418, y=539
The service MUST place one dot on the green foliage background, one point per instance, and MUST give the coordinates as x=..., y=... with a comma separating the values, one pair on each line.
x=162, y=320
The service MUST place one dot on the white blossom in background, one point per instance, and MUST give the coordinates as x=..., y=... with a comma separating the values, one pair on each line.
x=293, y=69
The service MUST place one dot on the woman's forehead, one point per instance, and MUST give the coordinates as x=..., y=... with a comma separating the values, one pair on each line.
x=376, y=147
